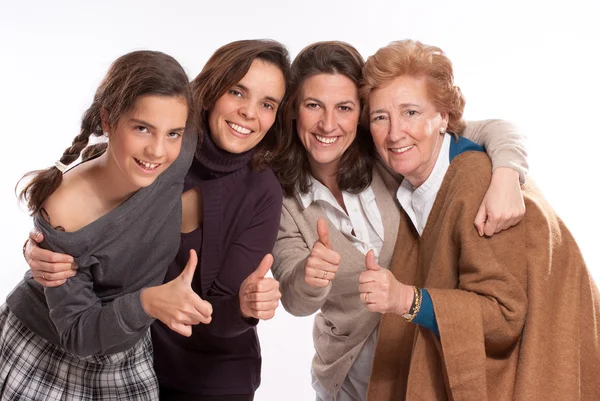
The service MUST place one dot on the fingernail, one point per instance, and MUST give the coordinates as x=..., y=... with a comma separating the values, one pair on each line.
x=75, y=267
x=37, y=236
x=73, y=274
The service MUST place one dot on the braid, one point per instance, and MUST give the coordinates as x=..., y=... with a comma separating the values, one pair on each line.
x=44, y=182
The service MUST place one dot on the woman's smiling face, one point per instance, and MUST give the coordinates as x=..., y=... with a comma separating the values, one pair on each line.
x=242, y=116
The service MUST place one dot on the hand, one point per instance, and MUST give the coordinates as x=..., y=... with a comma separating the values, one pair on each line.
x=323, y=262
x=50, y=269
x=259, y=295
x=176, y=304
x=380, y=291
x=503, y=204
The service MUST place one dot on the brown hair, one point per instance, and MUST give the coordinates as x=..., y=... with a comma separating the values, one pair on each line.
x=291, y=162
x=225, y=68
x=130, y=76
x=413, y=58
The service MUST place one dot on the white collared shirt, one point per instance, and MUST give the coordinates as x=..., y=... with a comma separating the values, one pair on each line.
x=417, y=203
x=363, y=215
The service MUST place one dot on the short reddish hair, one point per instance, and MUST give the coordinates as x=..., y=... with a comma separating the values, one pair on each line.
x=413, y=58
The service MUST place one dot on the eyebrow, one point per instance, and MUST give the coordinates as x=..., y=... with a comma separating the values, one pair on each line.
x=147, y=124
x=337, y=104
x=245, y=88
x=401, y=106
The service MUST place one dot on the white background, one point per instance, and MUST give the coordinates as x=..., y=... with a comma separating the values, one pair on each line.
x=531, y=62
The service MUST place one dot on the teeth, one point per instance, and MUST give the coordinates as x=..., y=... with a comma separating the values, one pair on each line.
x=325, y=139
x=147, y=165
x=402, y=149
x=239, y=129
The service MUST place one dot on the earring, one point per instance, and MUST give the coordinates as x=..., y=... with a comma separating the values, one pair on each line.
x=106, y=134
x=442, y=130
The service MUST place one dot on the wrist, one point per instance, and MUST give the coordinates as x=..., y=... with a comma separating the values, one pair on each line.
x=507, y=173
x=407, y=300
x=147, y=297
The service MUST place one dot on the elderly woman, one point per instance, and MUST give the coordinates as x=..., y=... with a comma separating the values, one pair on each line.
x=514, y=316
x=340, y=203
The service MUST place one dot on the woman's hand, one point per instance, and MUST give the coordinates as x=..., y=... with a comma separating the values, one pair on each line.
x=502, y=205
x=323, y=262
x=50, y=269
x=381, y=292
x=259, y=295
x=176, y=304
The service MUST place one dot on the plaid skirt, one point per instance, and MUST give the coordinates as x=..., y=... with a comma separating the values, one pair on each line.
x=32, y=368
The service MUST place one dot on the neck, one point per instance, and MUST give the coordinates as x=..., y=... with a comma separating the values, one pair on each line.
x=326, y=174
x=110, y=183
x=213, y=162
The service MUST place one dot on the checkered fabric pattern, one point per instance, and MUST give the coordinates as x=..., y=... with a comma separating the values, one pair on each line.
x=31, y=368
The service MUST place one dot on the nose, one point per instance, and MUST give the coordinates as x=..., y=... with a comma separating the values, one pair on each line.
x=156, y=148
x=397, y=130
x=328, y=122
x=248, y=111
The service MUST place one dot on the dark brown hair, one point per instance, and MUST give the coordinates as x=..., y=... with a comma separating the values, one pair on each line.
x=413, y=58
x=291, y=163
x=133, y=75
x=225, y=68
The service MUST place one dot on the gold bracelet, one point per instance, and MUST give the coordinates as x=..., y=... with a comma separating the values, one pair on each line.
x=415, y=307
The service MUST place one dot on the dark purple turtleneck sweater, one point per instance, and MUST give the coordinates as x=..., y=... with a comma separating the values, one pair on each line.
x=241, y=218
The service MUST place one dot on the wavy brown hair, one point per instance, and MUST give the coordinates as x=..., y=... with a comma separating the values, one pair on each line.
x=413, y=58
x=291, y=163
x=225, y=68
x=133, y=75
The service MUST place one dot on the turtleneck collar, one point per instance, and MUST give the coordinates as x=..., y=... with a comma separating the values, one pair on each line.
x=211, y=161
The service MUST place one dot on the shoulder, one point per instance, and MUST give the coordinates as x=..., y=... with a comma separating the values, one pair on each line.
x=70, y=207
x=264, y=186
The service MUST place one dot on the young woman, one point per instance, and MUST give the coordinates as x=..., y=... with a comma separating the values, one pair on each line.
x=231, y=210
x=340, y=203
x=89, y=339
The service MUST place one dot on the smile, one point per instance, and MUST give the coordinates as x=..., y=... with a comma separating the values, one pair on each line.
x=146, y=165
x=239, y=129
x=401, y=150
x=326, y=140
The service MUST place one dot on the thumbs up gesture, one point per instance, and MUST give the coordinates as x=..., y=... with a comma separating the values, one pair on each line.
x=259, y=295
x=380, y=291
x=176, y=304
x=323, y=262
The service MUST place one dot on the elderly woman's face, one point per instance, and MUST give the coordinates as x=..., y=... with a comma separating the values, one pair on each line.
x=327, y=119
x=406, y=127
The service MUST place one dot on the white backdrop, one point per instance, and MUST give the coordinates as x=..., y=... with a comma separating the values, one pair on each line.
x=532, y=62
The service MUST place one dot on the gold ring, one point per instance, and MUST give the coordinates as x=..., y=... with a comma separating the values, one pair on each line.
x=367, y=298
x=324, y=275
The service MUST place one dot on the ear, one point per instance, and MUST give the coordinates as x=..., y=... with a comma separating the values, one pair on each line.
x=104, y=121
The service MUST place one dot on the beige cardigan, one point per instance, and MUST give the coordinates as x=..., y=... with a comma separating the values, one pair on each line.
x=344, y=324
x=518, y=313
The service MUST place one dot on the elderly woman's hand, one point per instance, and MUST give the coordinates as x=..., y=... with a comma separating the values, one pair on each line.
x=503, y=204
x=381, y=292
x=50, y=269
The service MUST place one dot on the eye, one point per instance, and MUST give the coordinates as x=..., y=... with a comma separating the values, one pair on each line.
x=411, y=113
x=312, y=106
x=235, y=92
x=141, y=128
x=345, y=108
x=269, y=106
x=379, y=118
x=174, y=135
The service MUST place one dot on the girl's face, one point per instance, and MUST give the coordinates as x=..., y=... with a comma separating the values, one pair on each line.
x=327, y=117
x=241, y=118
x=147, y=140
